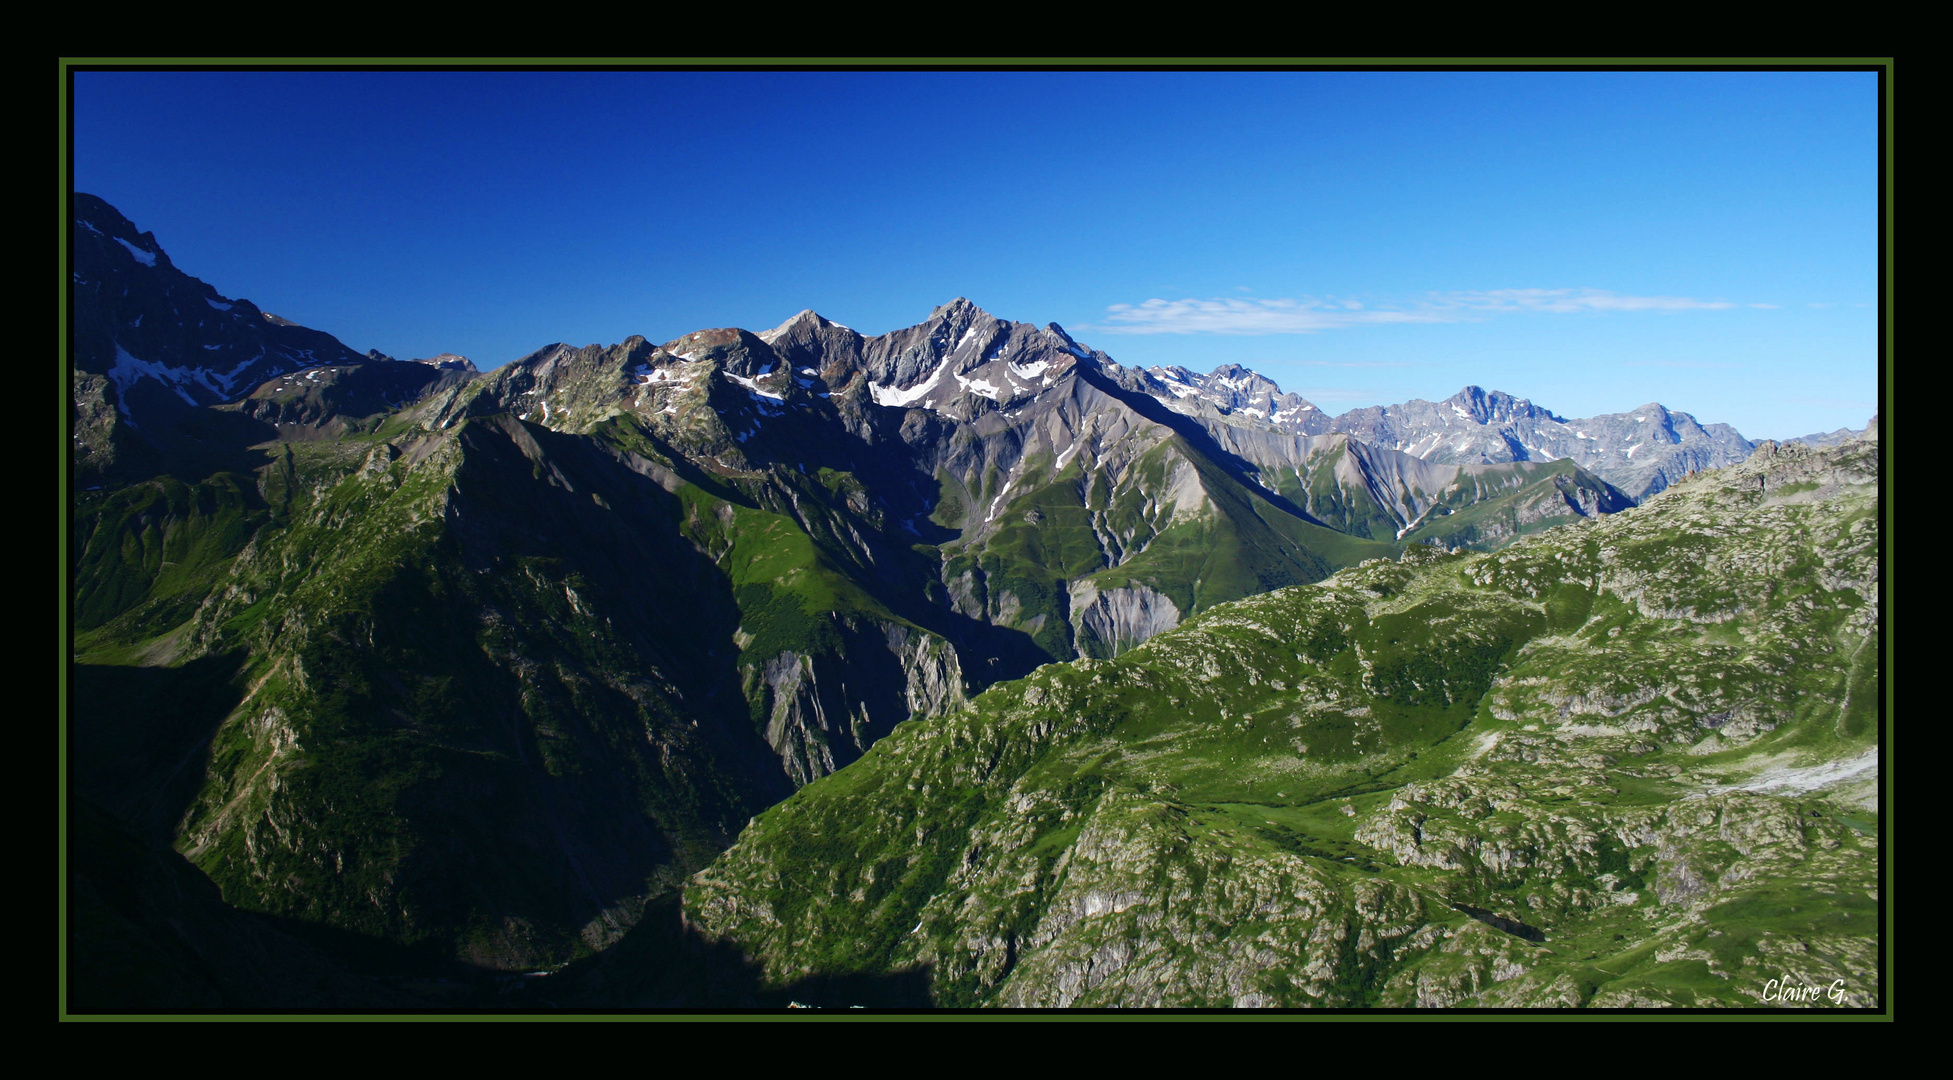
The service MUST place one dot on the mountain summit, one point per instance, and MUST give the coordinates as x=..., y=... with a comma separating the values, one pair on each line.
x=152, y=341
x=155, y=350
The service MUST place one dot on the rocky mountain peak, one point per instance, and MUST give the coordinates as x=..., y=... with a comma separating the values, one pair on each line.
x=738, y=353
x=1083, y=353
x=957, y=315
x=806, y=323
x=151, y=341
x=1641, y=451
x=1841, y=435
x=1496, y=406
x=93, y=215
x=966, y=360
x=453, y=361
x=93, y=211
x=1239, y=393
x=803, y=315
x=809, y=342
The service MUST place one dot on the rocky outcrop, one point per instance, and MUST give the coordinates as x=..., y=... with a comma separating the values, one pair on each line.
x=329, y=402
x=822, y=710
x=1107, y=623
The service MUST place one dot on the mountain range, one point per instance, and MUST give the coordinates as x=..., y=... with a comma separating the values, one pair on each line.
x=421, y=666
x=1641, y=452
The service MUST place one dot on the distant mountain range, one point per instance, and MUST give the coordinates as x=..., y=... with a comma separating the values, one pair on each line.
x=1641, y=451
x=477, y=666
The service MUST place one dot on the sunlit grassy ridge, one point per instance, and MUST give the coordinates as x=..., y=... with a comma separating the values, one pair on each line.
x=1607, y=740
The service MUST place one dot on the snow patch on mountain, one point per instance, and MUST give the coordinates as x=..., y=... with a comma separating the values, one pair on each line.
x=128, y=370
x=896, y=397
x=147, y=258
x=980, y=386
x=753, y=387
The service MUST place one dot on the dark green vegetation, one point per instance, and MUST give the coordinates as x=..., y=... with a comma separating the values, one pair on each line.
x=1619, y=764
x=422, y=668
x=444, y=724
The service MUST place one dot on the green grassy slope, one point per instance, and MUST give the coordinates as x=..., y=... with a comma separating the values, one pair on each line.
x=477, y=705
x=1587, y=770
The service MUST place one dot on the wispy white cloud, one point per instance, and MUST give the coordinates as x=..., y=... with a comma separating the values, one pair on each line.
x=1242, y=315
x=1304, y=315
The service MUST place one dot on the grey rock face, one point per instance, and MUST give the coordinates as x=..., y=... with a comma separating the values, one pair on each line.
x=1108, y=623
x=328, y=401
x=824, y=710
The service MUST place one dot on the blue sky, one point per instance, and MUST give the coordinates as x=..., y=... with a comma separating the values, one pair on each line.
x=1592, y=241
